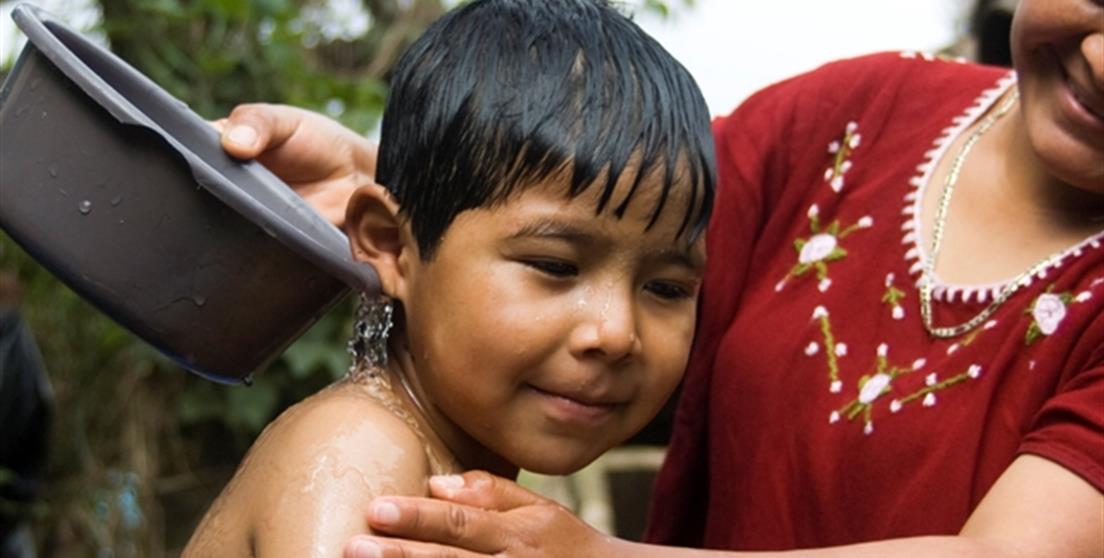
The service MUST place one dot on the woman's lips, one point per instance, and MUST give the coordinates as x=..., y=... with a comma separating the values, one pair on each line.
x=1083, y=101
x=1094, y=105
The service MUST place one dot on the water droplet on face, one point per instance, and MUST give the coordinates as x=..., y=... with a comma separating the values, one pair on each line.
x=34, y=84
x=199, y=300
x=116, y=200
x=85, y=207
x=19, y=112
x=43, y=115
x=54, y=171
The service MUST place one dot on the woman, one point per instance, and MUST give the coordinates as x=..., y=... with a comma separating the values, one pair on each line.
x=901, y=350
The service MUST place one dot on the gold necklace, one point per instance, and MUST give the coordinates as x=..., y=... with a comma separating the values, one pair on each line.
x=927, y=279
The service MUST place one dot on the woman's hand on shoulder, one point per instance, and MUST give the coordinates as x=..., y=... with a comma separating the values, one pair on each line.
x=480, y=515
x=318, y=157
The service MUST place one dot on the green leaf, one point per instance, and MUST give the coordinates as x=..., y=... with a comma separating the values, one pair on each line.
x=658, y=6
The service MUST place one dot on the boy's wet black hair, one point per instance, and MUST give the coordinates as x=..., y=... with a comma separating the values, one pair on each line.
x=498, y=95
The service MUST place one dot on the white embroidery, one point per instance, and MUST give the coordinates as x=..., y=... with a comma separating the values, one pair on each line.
x=873, y=388
x=818, y=247
x=1049, y=311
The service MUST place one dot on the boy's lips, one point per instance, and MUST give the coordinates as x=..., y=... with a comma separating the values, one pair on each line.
x=576, y=406
x=593, y=397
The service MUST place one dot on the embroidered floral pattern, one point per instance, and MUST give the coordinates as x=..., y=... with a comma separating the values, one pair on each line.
x=833, y=350
x=892, y=298
x=872, y=388
x=821, y=248
x=1047, y=312
x=840, y=150
x=932, y=384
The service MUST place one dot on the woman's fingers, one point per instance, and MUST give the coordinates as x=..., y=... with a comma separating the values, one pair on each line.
x=484, y=515
x=435, y=521
x=483, y=490
x=252, y=129
x=364, y=546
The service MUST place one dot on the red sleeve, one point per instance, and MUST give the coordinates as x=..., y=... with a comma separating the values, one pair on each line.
x=1069, y=429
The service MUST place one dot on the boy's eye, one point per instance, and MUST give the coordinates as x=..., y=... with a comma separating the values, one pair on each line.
x=555, y=268
x=667, y=290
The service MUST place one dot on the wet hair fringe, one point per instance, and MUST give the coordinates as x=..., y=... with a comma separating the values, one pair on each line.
x=498, y=95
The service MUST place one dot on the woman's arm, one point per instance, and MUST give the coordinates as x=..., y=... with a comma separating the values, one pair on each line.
x=1036, y=508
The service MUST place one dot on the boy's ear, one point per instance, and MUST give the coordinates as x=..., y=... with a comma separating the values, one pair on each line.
x=378, y=236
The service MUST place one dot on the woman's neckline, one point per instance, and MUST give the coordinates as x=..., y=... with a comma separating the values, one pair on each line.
x=916, y=239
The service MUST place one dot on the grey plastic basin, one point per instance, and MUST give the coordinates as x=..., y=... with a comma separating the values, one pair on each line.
x=124, y=194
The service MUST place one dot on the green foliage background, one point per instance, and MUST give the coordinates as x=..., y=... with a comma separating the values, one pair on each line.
x=138, y=447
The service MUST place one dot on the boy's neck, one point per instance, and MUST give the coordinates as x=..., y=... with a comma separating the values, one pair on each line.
x=441, y=432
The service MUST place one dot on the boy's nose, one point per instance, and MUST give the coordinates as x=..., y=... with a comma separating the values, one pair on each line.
x=607, y=328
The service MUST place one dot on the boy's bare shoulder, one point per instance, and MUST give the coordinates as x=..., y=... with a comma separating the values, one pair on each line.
x=304, y=487
x=340, y=431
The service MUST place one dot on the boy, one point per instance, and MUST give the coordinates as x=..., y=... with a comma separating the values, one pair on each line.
x=547, y=171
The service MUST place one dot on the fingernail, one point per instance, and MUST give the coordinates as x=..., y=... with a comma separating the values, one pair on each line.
x=447, y=482
x=242, y=135
x=367, y=549
x=385, y=513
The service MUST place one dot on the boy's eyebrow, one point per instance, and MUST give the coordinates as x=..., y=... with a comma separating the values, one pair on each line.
x=571, y=232
x=684, y=257
x=554, y=228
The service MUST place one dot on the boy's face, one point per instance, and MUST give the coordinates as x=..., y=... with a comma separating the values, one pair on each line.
x=546, y=334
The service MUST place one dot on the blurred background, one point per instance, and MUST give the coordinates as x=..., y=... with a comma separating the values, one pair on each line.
x=109, y=450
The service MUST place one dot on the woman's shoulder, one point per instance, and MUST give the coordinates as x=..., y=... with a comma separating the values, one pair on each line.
x=857, y=79
x=888, y=66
